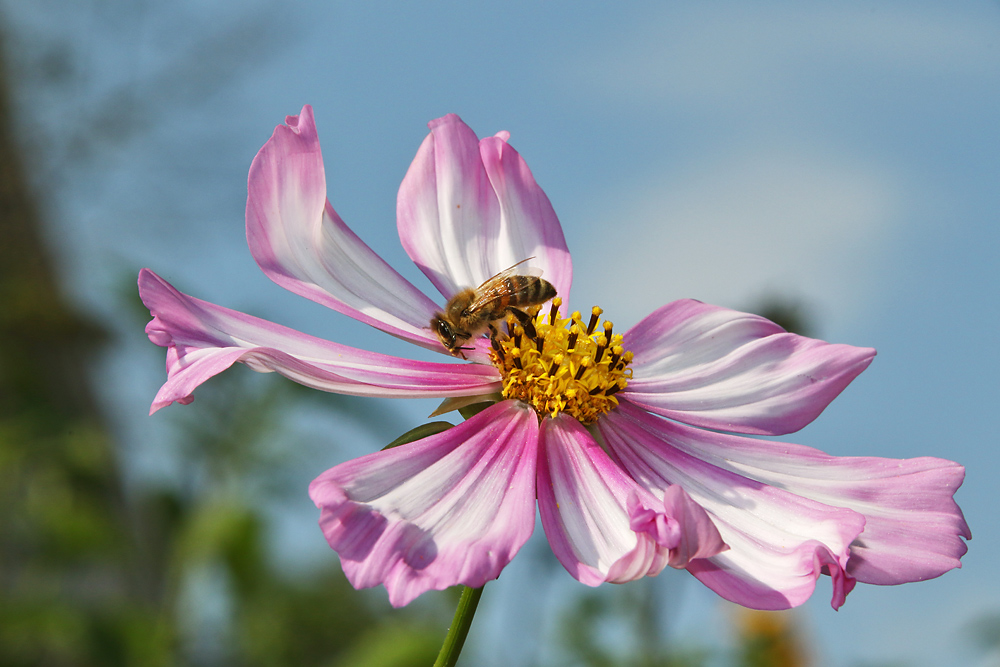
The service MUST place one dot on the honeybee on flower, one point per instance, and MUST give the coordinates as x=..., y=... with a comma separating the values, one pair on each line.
x=472, y=311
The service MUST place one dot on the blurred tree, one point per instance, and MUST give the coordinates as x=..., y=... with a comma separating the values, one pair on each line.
x=64, y=540
x=95, y=573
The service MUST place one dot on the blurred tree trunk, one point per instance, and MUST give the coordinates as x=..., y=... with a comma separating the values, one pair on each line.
x=93, y=577
x=65, y=544
x=44, y=342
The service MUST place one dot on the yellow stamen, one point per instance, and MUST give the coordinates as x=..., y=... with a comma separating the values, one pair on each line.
x=554, y=311
x=595, y=314
x=561, y=369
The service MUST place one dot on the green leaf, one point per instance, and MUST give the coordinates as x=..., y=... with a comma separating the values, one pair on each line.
x=470, y=411
x=422, y=431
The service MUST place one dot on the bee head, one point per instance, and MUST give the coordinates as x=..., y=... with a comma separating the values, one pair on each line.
x=450, y=338
x=444, y=331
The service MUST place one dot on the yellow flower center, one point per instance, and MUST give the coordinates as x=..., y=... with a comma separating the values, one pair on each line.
x=563, y=365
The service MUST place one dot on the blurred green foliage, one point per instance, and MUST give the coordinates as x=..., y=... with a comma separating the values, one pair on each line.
x=788, y=314
x=98, y=571
x=769, y=639
x=94, y=573
x=620, y=627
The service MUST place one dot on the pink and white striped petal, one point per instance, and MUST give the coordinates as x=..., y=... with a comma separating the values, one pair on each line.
x=453, y=508
x=301, y=243
x=528, y=223
x=914, y=529
x=698, y=538
x=723, y=369
x=779, y=542
x=602, y=526
x=468, y=209
x=204, y=339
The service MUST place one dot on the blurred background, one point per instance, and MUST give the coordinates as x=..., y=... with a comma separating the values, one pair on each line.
x=832, y=165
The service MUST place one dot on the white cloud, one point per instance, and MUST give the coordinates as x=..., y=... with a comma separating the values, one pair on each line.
x=740, y=227
x=766, y=174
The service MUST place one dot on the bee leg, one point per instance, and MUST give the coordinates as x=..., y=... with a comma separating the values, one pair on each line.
x=526, y=322
x=495, y=339
x=497, y=347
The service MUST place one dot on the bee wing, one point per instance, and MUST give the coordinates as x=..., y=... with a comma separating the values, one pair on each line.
x=496, y=288
x=489, y=293
x=510, y=271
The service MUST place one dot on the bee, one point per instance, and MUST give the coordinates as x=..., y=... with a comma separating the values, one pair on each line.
x=472, y=311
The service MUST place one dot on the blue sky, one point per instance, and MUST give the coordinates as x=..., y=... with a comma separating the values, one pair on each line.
x=841, y=155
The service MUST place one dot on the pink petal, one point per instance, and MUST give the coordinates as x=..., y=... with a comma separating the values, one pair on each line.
x=468, y=209
x=732, y=371
x=779, y=542
x=603, y=526
x=301, y=243
x=528, y=223
x=204, y=339
x=913, y=527
x=450, y=509
x=699, y=538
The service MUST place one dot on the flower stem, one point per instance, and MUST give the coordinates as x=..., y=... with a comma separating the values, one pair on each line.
x=459, y=629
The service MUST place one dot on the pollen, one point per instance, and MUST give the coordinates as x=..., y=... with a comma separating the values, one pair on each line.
x=559, y=364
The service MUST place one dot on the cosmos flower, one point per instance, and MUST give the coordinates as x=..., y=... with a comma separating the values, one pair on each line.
x=634, y=444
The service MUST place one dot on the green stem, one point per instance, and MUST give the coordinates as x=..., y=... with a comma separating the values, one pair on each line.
x=459, y=629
